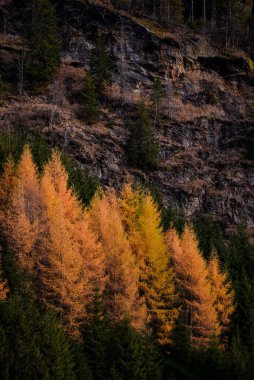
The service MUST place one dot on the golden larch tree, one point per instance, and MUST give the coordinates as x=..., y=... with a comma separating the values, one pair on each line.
x=71, y=260
x=121, y=293
x=222, y=291
x=192, y=279
x=24, y=209
x=142, y=222
x=6, y=188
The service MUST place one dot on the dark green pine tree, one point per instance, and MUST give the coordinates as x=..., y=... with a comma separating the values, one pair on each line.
x=90, y=108
x=172, y=218
x=55, y=348
x=101, y=64
x=35, y=344
x=209, y=236
x=96, y=334
x=44, y=43
x=127, y=353
x=153, y=365
x=240, y=261
x=83, y=183
x=142, y=147
x=157, y=95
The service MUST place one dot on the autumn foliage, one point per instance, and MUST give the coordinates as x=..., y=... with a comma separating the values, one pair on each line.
x=207, y=301
x=116, y=249
x=156, y=280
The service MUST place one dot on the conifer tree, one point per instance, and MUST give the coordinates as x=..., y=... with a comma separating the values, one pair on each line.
x=127, y=356
x=142, y=221
x=96, y=334
x=121, y=293
x=157, y=96
x=142, y=148
x=71, y=260
x=192, y=279
x=240, y=261
x=34, y=342
x=101, y=64
x=89, y=110
x=222, y=292
x=172, y=218
x=209, y=236
x=22, y=224
x=6, y=188
x=44, y=55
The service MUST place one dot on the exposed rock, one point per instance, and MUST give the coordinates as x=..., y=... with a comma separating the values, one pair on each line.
x=204, y=166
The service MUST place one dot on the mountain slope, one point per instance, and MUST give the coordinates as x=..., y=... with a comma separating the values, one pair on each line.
x=204, y=160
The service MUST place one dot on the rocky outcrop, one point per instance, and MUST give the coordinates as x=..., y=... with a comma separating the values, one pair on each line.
x=204, y=162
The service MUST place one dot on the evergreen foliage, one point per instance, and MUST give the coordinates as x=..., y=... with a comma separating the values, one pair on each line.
x=33, y=343
x=101, y=65
x=90, y=109
x=158, y=93
x=142, y=147
x=209, y=237
x=173, y=218
x=44, y=43
x=96, y=334
x=119, y=337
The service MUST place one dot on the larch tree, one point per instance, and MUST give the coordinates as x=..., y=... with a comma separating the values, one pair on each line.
x=192, y=278
x=6, y=188
x=121, y=293
x=222, y=292
x=142, y=221
x=22, y=224
x=71, y=261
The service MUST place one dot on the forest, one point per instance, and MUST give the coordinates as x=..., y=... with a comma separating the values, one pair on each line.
x=113, y=283
x=117, y=288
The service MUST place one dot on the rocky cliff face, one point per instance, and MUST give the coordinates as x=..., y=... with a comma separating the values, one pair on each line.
x=203, y=135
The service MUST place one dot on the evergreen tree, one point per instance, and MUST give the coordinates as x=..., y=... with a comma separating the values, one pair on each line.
x=90, y=109
x=240, y=261
x=35, y=345
x=209, y=237
x=157, y=96
x=42, y=35
x=172, y=218
x=96, y=334
x=142, y=147
x=101, y=65
x=127, y=356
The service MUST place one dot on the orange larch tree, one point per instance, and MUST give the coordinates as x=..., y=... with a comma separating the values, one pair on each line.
x=121, y=294
x=142, y=222
x=71, y=262
x=24, y=209
x=6, y=188
x=222, y=291
x=192, y=279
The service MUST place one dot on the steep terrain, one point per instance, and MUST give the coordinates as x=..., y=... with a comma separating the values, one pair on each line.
x=204, y=160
